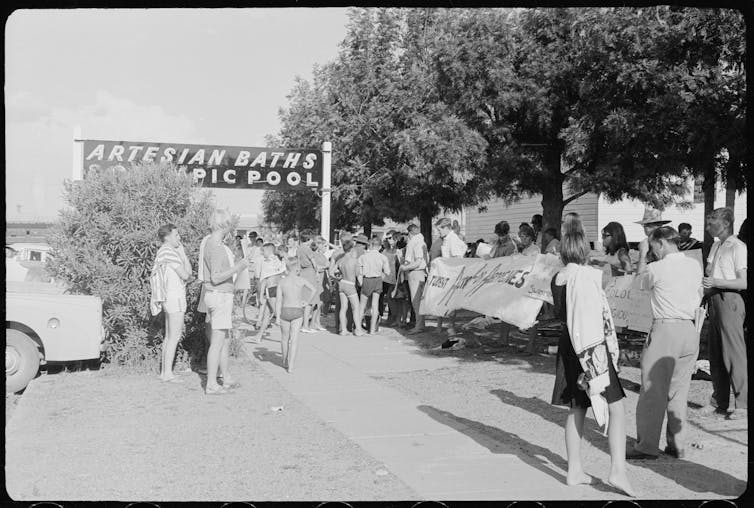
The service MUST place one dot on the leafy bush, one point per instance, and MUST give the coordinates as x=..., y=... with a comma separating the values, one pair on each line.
x=104, y=244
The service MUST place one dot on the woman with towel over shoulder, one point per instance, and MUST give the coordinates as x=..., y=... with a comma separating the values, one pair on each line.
x=586, y=372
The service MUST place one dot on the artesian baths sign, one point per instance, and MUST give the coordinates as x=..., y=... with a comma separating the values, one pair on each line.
x=229, y=167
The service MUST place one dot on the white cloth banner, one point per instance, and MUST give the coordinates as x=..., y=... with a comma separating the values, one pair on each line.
x=629, y=303
x=492, y=287
x=537, y=284
x=512, y=289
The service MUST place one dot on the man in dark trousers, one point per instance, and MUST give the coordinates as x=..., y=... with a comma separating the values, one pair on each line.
x=725, y=280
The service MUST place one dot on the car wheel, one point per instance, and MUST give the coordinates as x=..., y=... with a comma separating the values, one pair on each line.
x=21, y=360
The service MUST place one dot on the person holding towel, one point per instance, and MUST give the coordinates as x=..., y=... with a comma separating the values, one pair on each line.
x=587, y=361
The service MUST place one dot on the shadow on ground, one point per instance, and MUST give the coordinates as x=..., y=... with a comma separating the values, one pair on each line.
x=690, y=475
x=500, y=441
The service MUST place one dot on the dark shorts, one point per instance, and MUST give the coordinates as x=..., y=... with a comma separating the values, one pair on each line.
x=272, y=292
x=371, y=285
x=291, y=313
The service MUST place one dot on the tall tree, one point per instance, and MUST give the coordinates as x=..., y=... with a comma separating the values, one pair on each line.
x=705, y=50
x=586, y=86
x=399, y=151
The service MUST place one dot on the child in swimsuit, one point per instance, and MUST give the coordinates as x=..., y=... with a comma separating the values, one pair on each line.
x=290, y=310
x=268, y=273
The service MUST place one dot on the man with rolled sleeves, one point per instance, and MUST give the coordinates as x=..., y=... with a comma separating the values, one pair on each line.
x=725, y=280
x=671, y=349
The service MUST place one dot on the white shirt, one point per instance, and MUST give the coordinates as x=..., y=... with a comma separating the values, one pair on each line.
x=416, y=250
x=531, y=250
x=453, y=247
x=676, y=285
x=731, y=258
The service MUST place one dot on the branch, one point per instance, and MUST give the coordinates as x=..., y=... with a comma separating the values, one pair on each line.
x=574, y=169
x=574, y=197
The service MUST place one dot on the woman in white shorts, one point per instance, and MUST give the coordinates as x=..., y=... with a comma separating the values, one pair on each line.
x=219, y=274
x=178, y=271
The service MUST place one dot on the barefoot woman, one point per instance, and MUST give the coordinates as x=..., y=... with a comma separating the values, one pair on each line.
x=586, y=365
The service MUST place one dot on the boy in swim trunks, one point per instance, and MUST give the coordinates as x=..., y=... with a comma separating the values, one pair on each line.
x=289, y=308
x=348, y=266
x=373, y=265
x=268, y=273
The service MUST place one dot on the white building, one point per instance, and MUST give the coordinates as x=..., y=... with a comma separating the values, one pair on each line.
x=595, y=212
x=31, y=251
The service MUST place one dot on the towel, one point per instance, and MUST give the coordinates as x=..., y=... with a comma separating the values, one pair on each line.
x=200, y=269
x=167, y=259
x=592, y=331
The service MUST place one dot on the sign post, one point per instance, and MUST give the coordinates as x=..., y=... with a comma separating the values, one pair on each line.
x=326, y=191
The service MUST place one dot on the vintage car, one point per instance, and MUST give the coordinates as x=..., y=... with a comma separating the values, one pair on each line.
x=45, y=325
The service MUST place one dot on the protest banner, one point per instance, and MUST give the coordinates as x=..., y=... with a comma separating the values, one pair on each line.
x=492, y=287
x=629, y=303
x=230, y=167
x=538, y=282
x=512, y=289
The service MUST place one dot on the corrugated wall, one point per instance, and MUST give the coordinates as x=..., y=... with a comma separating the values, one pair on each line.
x=595, y=212
x=627, y=212
x=482, y=225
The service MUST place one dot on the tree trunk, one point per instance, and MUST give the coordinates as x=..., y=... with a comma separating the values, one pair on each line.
x=368, y=229
x=730, y=193
x=708, y=186
x=425, y=226
x=552, y=195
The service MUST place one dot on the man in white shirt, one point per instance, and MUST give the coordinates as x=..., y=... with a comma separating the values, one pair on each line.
x=452, y=247
x=671, y=349
x=726, y=278
x=415, y=267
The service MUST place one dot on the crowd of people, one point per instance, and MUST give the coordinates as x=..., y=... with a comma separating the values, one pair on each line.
x=295, y=283
x=587, y=358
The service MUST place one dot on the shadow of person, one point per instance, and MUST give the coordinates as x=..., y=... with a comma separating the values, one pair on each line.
x=690, y=475
x=500, y=441
x=264, y=354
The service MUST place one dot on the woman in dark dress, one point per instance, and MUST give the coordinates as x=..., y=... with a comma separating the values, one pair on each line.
x=567, y=392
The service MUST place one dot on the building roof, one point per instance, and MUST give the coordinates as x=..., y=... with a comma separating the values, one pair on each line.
x=33, y=246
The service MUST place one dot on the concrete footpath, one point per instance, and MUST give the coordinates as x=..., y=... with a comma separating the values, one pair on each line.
x=333, y=376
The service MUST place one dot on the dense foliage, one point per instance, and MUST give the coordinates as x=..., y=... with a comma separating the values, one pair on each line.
x=104, y=244
x=433, y=109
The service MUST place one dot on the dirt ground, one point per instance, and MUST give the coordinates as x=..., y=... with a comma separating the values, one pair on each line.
x=504, y=395
x=132, y=437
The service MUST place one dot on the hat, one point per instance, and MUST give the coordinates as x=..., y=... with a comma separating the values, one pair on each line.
x=652, y=216
x=361, y=239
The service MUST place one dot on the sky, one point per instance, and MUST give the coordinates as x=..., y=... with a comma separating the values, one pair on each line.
x=215, y=76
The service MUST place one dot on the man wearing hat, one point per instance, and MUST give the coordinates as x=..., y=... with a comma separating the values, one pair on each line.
x=652, y=220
